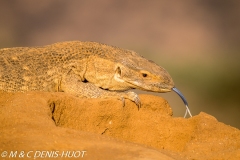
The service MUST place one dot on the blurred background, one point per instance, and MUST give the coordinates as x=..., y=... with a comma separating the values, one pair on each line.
x=196, y=41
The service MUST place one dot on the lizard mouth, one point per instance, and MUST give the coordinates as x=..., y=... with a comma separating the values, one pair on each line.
x=166, y=90
x=152, y=88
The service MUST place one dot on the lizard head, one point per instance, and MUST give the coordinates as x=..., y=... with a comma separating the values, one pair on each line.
x=143, y=74
x=119, y=70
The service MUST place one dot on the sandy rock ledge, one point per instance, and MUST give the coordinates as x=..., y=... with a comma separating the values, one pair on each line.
x=63, y=125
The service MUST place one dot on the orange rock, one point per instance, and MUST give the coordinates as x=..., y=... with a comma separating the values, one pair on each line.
x=38, y=121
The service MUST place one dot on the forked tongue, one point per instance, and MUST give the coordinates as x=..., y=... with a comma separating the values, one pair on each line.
x=184, y=101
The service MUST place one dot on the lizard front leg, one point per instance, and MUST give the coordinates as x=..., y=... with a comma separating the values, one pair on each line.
x=81, y=89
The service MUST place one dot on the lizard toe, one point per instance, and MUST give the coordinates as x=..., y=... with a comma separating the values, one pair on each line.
x=123, y=101
x=135, y=98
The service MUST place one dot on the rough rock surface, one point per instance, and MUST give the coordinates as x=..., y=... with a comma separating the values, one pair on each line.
x=60, y=125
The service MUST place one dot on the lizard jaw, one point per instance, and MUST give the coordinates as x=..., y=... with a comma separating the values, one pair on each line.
x=160, y=87
x=137, y=85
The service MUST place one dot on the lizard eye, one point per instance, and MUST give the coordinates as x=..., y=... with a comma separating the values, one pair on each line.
x=144, y=75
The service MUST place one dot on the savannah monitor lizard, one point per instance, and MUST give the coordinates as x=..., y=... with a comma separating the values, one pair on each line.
x=83, y=69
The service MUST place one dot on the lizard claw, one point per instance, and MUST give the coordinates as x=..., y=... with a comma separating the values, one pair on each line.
x=134, y=97
x=123, y=101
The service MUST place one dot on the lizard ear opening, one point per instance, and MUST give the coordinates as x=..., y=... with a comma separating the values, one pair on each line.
x=118, y=72
x=118, y=76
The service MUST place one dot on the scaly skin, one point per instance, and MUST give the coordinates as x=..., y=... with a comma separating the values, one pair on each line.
x=84, y=69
